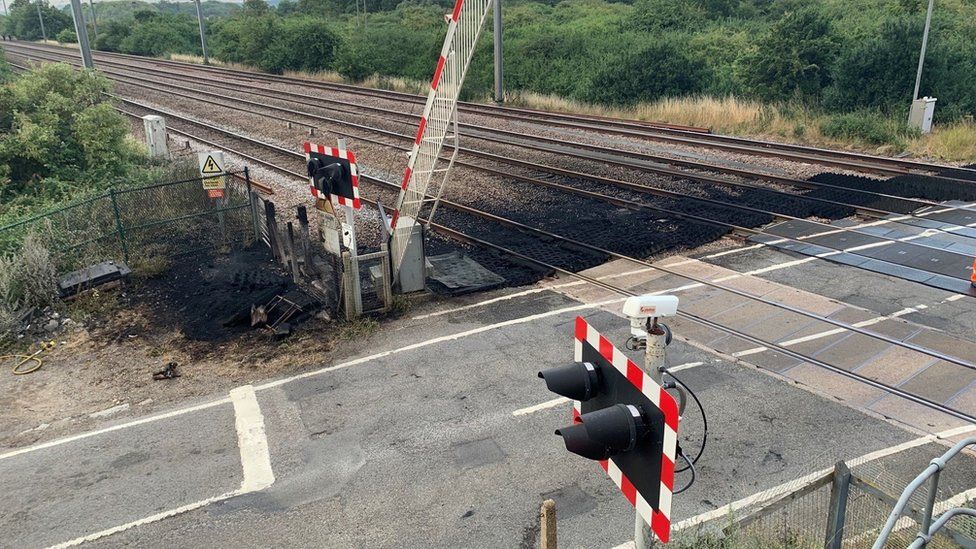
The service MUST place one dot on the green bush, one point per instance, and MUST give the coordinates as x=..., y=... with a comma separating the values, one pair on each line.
x=867, y=126
x=22, y=21
x=67, y=36
x=657, y=69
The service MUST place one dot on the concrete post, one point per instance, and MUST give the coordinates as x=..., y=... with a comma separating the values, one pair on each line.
x=499, y=71
x=81, y=31
x=353, y=247
x=40, y=18
x=203, y=33
x=654, y=364
x=155, y=129
x=925, y=43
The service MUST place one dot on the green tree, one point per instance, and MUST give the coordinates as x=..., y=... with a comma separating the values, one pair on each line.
x=791, y=59
x=23, y=22
x=67, y=36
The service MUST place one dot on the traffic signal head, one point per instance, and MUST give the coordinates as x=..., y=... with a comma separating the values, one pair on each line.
x=607, y=432
x=578, y=381
x=326, y=177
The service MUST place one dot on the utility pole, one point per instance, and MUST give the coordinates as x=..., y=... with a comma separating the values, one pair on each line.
x=499, y=84
x=91, y=4
x=81, y=31
x=925, y=43
x=40, y=18
x=5, y=11
x=203, y=33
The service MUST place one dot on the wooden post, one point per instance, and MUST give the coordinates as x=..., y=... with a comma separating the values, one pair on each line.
x=547, y=525
x=269, y=214
x=305, y=236
x=292, y=259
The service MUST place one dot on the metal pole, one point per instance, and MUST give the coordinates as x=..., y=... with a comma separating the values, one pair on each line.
x=353, y=247
x=81, y=31
x=5, y=10
x=41, y=19
x=203, y=33
x=91, y=4
x=837, y=512
x=925, y=43
x=499, y=76
x=654, y=364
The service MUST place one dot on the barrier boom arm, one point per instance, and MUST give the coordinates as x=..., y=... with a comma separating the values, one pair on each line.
x=439, y=121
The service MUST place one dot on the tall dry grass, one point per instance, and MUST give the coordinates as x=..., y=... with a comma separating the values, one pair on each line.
x=956, y=142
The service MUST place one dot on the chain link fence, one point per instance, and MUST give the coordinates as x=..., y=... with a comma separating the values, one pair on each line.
x=845, y=508
x=141, y=225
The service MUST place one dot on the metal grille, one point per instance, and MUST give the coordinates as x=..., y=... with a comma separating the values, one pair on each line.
x=438, y=124
x=140, y=224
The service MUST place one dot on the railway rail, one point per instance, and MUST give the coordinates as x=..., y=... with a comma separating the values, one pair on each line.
x=459, y=235
x=654, y=191
x=661, y=132
x=624, y=159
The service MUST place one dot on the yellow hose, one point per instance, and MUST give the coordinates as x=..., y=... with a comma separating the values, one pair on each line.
x=25, y=359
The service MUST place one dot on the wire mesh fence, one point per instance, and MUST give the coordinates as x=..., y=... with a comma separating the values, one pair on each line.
x=804, y=513
x=141, y=224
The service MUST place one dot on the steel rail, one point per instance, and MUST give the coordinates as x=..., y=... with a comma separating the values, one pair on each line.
x=597, y=249
x=305, y=99
x=652, y=191
x=748, y=146
x=634, y=187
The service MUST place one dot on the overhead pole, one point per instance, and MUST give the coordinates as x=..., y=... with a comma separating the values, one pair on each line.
x=40, y=17
x=91, y=4
x=925, y=43
x=499, y=73
x=5, y=10
x=203, y=33
x=81, y=31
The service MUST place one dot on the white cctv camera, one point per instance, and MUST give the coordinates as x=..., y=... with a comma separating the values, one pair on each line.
x=642, y=307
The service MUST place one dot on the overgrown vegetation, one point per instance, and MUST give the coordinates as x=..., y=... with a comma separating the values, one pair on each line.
x=60, y=139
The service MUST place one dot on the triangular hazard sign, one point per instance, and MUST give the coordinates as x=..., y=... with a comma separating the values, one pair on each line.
x=210, y=167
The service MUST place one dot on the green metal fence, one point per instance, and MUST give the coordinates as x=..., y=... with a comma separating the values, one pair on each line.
x=141, y=224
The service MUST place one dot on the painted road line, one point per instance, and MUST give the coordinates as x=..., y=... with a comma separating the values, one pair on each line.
x=835, y=331
x=776, y=491
x=255, y=461
x=355, y=362
x=118, y=427
x=252, y=440
x=543, y=406
x=150, y=519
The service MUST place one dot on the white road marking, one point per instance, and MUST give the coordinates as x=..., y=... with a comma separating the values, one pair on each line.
x=118, y=427
x=255, y=461
x=252, y=440
x=543, y=406
x=685, y=366
x=153, y=518
x=776, y=491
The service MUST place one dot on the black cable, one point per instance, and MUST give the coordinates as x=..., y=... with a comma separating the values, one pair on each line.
x=704, y=424
x=694, y=473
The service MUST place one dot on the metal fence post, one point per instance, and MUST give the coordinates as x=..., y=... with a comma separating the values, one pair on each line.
x=118, y=225
x=253, y=204
x=837, y=513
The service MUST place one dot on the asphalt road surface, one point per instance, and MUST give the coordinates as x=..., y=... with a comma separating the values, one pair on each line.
x=428, y=434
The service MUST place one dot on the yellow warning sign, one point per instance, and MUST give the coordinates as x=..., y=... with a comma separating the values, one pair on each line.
x=211, y=163
x=210, y=166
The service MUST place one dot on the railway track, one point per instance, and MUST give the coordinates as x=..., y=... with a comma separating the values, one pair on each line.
x=549, y=237
x=545, y=239
x=713, y=208
x=660, y=132
x=643, y=162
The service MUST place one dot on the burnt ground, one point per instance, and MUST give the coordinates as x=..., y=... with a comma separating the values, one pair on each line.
x=208, y=296
x=195, y=314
